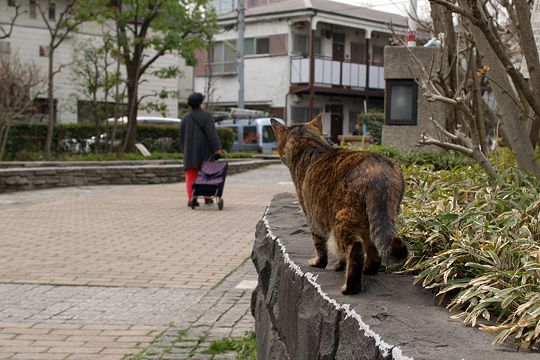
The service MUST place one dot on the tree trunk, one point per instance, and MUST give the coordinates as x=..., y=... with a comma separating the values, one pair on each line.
x=515, y=128
x=4, y=131
x=50, y=94
x=132, y=85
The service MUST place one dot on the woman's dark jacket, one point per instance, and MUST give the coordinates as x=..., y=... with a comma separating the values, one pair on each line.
x=198, y=138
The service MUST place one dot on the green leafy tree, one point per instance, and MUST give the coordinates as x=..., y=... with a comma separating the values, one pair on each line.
x=149, y=29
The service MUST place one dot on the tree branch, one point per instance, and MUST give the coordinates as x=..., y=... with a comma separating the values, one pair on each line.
x=5, y=34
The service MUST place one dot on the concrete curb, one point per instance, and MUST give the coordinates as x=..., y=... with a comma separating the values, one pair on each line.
x=41, y=177
x=301, y=314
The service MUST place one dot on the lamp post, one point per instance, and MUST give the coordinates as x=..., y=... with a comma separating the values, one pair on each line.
x=240, y=53
x=411, y=23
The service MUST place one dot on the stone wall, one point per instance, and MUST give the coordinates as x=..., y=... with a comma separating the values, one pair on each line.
x=43, y=176
x=301, y=314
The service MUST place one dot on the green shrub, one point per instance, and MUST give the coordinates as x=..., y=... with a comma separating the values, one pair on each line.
x=226, y=137
x=477, y=243
x=438, y=160
x=27, y=141
x=374, y=122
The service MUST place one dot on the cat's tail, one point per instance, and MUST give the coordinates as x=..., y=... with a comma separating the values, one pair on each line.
x=382, y=209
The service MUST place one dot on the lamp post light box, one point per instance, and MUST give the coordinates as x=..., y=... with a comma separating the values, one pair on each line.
x=407, y=114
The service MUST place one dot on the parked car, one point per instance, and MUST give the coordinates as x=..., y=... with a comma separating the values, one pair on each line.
x=152, y=120
x=254, y=134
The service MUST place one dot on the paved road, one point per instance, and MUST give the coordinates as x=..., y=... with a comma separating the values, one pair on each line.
x=104, y=272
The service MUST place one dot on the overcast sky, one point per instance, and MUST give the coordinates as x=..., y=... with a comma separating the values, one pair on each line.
x=394, y=6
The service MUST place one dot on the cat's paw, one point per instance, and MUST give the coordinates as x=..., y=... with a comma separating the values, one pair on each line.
x=340, y=265
x=317, y=262
x=351, y=290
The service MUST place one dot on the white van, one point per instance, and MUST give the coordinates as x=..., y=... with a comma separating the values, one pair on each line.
x=151, y=120
x=252, y=134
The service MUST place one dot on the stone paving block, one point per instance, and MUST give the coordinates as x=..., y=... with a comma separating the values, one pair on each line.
x=159, y=263
x=42, y=356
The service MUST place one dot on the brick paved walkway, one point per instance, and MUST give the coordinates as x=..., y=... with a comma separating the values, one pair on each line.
x=100, y=272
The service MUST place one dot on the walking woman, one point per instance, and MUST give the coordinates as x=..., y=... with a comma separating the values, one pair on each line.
x=198, y=141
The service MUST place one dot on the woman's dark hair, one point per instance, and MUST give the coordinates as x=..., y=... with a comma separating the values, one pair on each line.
x=195, y=100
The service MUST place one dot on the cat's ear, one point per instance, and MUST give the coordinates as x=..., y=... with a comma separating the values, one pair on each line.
x=278, y=128
x=317, y=124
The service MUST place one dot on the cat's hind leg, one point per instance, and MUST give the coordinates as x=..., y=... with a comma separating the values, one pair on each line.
x=340, y=264
x=321, y=259
x=352, y=250
x=373, y=260
x=354, y=281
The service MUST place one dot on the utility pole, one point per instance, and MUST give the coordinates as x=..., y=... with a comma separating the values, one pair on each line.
x=240, y=53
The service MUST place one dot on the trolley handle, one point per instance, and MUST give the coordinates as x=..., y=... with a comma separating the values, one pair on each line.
x=223, y=155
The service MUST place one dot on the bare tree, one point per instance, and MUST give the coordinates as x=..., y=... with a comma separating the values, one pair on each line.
x=60, y=26
x=5, y=32
x=95, y=80
x=477, y=58
x=20, y=85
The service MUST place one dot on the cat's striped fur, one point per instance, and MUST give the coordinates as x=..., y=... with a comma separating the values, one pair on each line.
x=350, y=197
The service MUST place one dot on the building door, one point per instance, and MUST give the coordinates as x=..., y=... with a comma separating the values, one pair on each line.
x=336, y=122
x=338, y=54
x=338, y=47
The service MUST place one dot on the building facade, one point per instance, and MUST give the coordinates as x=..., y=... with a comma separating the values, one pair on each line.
x=29, y=42
x=303, y=57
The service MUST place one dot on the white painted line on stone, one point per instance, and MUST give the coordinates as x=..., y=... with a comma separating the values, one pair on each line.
x=285, y=183
x=246, y=285
x=381, y=344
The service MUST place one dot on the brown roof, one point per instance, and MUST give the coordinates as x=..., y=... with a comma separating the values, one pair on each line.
x=332, y=7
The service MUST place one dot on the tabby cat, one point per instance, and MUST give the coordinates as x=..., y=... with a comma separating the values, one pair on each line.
x=350, y=199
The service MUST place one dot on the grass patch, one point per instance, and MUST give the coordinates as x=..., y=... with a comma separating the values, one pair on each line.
x=244, y=347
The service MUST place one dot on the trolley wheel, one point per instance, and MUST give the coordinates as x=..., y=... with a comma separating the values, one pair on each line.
x=192, y=205
x=220, y=204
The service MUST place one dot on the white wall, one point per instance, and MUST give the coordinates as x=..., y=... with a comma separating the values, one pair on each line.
x=29, y=34
x=267, y=78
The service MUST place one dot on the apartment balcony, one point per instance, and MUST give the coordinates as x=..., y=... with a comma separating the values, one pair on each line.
x=334, y=73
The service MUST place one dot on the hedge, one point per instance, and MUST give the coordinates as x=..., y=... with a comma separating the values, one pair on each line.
x=374, y=122
x=26, y=139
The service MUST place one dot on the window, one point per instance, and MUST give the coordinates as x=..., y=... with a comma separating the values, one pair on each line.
x=249, y=46
x=301, y=114
x=358, y=53
x=223, y=6
x=353, y=117
x=32, y=9
x=262, y=46
x=43, y=51
x=86, y=110
x=224, y=57
x=256, y=46
x=301, y=44
x=5, y=47
x=52, y=11
x=268, y=134
x=12, y=3
x=250, y=135
x=378, y=55
x=401, y=102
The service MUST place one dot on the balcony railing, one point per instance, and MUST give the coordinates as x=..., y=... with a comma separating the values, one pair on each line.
x=224, y=68
x=339, y=73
